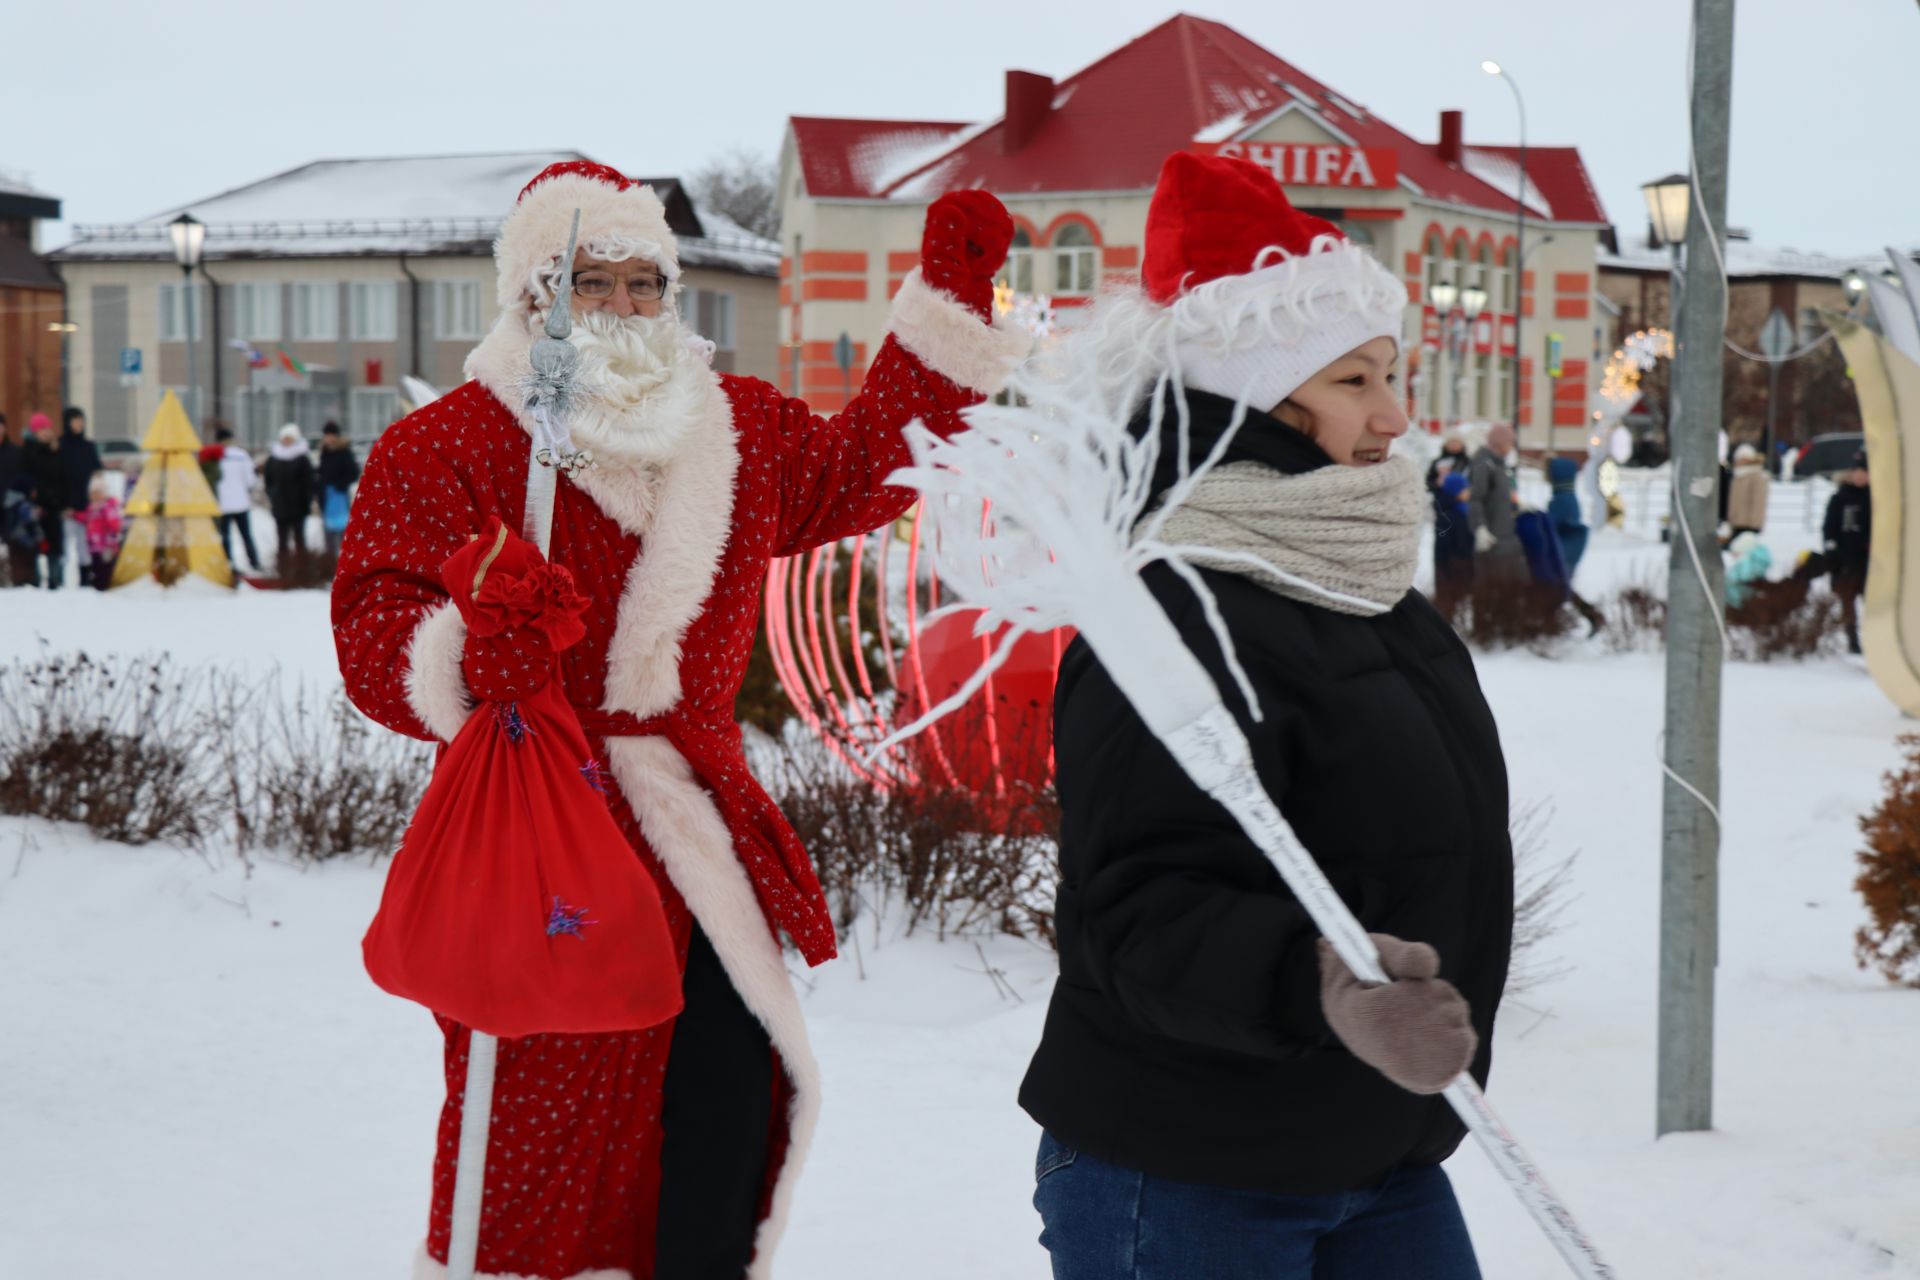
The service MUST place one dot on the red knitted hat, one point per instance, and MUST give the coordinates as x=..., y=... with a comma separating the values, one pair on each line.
x=1263, y=296
x=1214, y=217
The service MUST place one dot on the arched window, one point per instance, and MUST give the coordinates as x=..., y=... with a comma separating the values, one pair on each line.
x=1073, y=260
x=1017, y=274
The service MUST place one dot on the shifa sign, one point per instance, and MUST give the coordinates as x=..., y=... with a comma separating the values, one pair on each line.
x=1312, y=164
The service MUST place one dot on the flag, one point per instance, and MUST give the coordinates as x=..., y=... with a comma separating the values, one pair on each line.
x=291, y=365
x=256, y=359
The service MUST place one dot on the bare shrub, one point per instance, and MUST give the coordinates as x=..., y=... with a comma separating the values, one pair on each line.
x=950, y=861
x=1784, y=620
x=1542, y=892
x=139, y=751
x=309, y=775
x=1890, y=875
x=118, y=744
x=1514, y=613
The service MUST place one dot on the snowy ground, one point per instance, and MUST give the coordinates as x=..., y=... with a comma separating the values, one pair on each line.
x=196, y=1079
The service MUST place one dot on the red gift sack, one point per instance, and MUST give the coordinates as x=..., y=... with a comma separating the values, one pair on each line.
x=515, y=904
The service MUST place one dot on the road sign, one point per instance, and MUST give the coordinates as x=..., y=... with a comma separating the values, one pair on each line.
x=1776, y=336
x=129, y=366
x=1554, y=342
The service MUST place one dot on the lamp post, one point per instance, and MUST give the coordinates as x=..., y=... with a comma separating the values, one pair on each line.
x=189, y=235
x=1668, y=201
x=1458, y=308
x=1493, y=68
x=63, y=328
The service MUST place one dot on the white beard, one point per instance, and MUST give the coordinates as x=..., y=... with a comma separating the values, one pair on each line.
x=641, y=385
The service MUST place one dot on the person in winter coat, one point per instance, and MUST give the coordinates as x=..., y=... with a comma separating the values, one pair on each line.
x=80, y=458
x=1451, y=460
x=1747, y=495
x=1849, y=537
x=102, y=525
x=1492, y=508
x=235, y=495
x=1751, y=562
x=669, y=1151
x=1570, y=530
x=288, y=477
x=338, y=474
x=1219, y=1096
x=1452, y=542
x=47, y=476
x=19, y=518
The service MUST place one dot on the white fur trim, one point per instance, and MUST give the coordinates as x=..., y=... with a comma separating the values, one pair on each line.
x=952, y=341
x=535, y=232
x=436, y=690
x=691, y=840
x=1256, y=337
x=426, y=1268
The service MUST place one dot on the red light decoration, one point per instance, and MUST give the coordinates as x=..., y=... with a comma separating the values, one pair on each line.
x=818, y=621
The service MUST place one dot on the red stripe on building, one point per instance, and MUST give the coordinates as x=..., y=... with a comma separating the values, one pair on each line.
x=843, y=261
x=833, y=290
x=1571, y=308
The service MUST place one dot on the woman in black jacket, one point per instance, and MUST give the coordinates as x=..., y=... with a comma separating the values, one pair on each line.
x=1220, y=1096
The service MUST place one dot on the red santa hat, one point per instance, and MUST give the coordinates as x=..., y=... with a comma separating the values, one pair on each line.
x=1262, y=296
x=620, y=220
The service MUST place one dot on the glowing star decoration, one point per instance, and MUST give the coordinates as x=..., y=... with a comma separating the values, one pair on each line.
x=1620, y=383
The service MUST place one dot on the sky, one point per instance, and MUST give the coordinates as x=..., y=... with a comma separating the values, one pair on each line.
x=125, y=109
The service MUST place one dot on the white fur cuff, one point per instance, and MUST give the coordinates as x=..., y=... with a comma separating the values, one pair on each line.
x=436, y=690
x=950, y=339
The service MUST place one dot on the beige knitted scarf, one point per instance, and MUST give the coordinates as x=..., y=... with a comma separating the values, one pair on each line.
x=1345, y=538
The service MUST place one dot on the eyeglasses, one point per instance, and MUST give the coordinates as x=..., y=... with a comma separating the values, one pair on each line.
x=641, y=286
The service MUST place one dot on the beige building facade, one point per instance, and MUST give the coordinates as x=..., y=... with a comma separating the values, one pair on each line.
x=321, y=311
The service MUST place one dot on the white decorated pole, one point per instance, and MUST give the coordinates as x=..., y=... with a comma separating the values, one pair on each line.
x=1066, y=486
x=555, y=363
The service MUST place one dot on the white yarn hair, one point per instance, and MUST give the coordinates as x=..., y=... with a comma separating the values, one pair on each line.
x=1042, y=503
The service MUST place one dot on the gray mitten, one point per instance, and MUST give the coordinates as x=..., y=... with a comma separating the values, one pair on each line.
x=1416, y=1030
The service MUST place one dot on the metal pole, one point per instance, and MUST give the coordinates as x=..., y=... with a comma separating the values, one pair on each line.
x=192, y=314
x=1519, y=263
x=1690, y=847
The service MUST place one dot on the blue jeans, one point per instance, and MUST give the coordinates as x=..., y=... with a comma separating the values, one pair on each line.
x=1102, y=1222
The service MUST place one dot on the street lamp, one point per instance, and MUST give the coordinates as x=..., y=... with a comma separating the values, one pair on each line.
x=1667, y=201
x=63, y=328
x=1457, y=308
x=189, y=234
x=1493, y=68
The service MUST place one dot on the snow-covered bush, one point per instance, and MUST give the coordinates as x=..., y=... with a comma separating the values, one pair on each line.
x=1890, y=876
x=941, y=857
x=139, y=750
x=118, y=744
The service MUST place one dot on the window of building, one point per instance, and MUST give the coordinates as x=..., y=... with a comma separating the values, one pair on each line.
x=1017, y=274
x=256, y=310
x=176, y=300
x=316, y=311
x=709, y=313
x=1073, y=260
x=373, y=310
x=371, y=410
x=258, y=416
x=456, y=309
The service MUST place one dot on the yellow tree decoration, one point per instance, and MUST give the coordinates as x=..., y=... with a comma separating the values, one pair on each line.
x=171, y=510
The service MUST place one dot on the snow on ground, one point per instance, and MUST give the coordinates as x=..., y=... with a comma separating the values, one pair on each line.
x=197, y=1080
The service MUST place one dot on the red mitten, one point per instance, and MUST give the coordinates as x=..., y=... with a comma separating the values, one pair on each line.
x=519, y=609
x=964, y=247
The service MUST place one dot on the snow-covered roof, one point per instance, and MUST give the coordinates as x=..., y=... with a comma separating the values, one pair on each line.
x=1745, y=260
x=15, y=184
x=382, y=206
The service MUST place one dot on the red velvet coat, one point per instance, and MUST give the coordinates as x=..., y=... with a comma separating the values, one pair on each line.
x=673, y=561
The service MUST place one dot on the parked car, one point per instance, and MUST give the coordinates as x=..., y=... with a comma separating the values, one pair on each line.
x=1827, y=455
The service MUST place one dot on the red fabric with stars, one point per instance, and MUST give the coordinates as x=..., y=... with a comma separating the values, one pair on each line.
x=576, y=1128
x=514, y=905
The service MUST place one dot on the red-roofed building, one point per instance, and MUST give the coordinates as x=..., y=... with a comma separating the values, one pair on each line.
x=1076, y=159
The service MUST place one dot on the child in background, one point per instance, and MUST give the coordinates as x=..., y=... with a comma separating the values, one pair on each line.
x=103, y=531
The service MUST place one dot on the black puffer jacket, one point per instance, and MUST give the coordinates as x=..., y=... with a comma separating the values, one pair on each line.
x=1185, y=1037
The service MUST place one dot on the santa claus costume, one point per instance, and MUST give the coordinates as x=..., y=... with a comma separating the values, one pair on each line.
x=698, y=480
